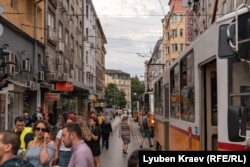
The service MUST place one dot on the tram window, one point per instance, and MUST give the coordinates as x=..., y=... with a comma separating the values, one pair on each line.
x=239, y=82
x=187, y=104
x=244, y=35
x=175, y=93
x=187, y=88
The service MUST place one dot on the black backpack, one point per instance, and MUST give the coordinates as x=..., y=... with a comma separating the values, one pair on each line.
x=34, y=118
x=145, y=123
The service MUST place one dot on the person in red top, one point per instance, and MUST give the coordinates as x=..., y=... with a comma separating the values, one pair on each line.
x=91, y=115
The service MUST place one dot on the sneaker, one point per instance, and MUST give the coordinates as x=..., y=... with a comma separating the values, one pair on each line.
x=124, y=152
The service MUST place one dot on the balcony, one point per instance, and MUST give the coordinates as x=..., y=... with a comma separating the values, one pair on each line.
x=51, y=35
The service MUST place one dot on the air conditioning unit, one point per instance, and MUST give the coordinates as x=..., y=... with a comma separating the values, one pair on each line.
x=41, y=75
x=26, y=65
x=61, y=47
x=10, y=69
x=51, y=76
x=31, y=84
x=59, y=60
x=62, y=76
x=10, y=58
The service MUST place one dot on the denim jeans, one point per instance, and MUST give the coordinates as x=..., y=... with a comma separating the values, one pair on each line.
x=63, y=158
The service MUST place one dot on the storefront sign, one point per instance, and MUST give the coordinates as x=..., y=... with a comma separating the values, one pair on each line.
x=52, y=97
x=64, y=86
x=189, y=26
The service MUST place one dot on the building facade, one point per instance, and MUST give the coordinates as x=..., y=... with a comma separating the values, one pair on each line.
x=122, y=81
x=49, y=57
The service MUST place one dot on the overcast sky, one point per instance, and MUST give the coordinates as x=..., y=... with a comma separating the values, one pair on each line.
x=131, y=27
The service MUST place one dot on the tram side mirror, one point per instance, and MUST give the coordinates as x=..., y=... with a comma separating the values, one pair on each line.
x=236, y=123
x=225, y=50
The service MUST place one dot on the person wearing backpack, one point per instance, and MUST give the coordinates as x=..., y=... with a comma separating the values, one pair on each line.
x=146, y=131
x=9, y=145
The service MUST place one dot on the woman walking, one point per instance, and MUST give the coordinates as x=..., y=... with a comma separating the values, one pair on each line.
x=40, y=151
x=94, y=144
x=124, y=133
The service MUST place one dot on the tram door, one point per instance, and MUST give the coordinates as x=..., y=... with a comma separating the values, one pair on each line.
x=209, y=115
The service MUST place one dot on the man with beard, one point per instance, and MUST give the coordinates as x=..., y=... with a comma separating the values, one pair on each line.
x=81, y=154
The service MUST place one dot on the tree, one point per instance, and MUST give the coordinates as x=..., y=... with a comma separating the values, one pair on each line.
x=115, y=97
x=137, y=88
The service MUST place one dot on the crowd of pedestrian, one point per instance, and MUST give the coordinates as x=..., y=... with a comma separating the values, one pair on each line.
x=72, y=141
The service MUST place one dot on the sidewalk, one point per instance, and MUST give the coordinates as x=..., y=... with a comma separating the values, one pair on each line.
x=138, y=135
x=113, y=156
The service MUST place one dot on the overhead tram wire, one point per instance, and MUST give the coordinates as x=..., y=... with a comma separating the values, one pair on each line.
x=162, y=8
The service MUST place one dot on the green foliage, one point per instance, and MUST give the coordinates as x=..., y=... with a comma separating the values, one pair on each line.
x=114, y=96
x=137, y=89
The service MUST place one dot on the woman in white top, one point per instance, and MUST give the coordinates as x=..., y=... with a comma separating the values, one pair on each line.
x=62, y=154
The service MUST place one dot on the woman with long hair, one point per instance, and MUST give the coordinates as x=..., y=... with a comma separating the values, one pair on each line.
x=86, y=132
x=124, y=133
x=94, y=144
x=40, y=151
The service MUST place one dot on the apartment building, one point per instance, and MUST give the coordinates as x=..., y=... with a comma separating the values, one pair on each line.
x=154, y=66
x=23, y=43
x=122, y=81
x=206, y=12
x=175, y=31
x=49, y=57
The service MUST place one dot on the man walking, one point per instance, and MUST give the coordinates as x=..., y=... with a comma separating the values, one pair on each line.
x=81, y=154
x=25, y=134
x=9, y=145
x=27, y=119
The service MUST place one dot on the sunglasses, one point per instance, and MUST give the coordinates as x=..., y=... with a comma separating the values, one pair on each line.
x=41, y=129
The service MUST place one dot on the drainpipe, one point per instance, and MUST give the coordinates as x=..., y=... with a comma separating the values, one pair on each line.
x=35, y=57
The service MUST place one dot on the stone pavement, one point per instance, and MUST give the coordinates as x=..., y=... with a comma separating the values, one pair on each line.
x=113, y=156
